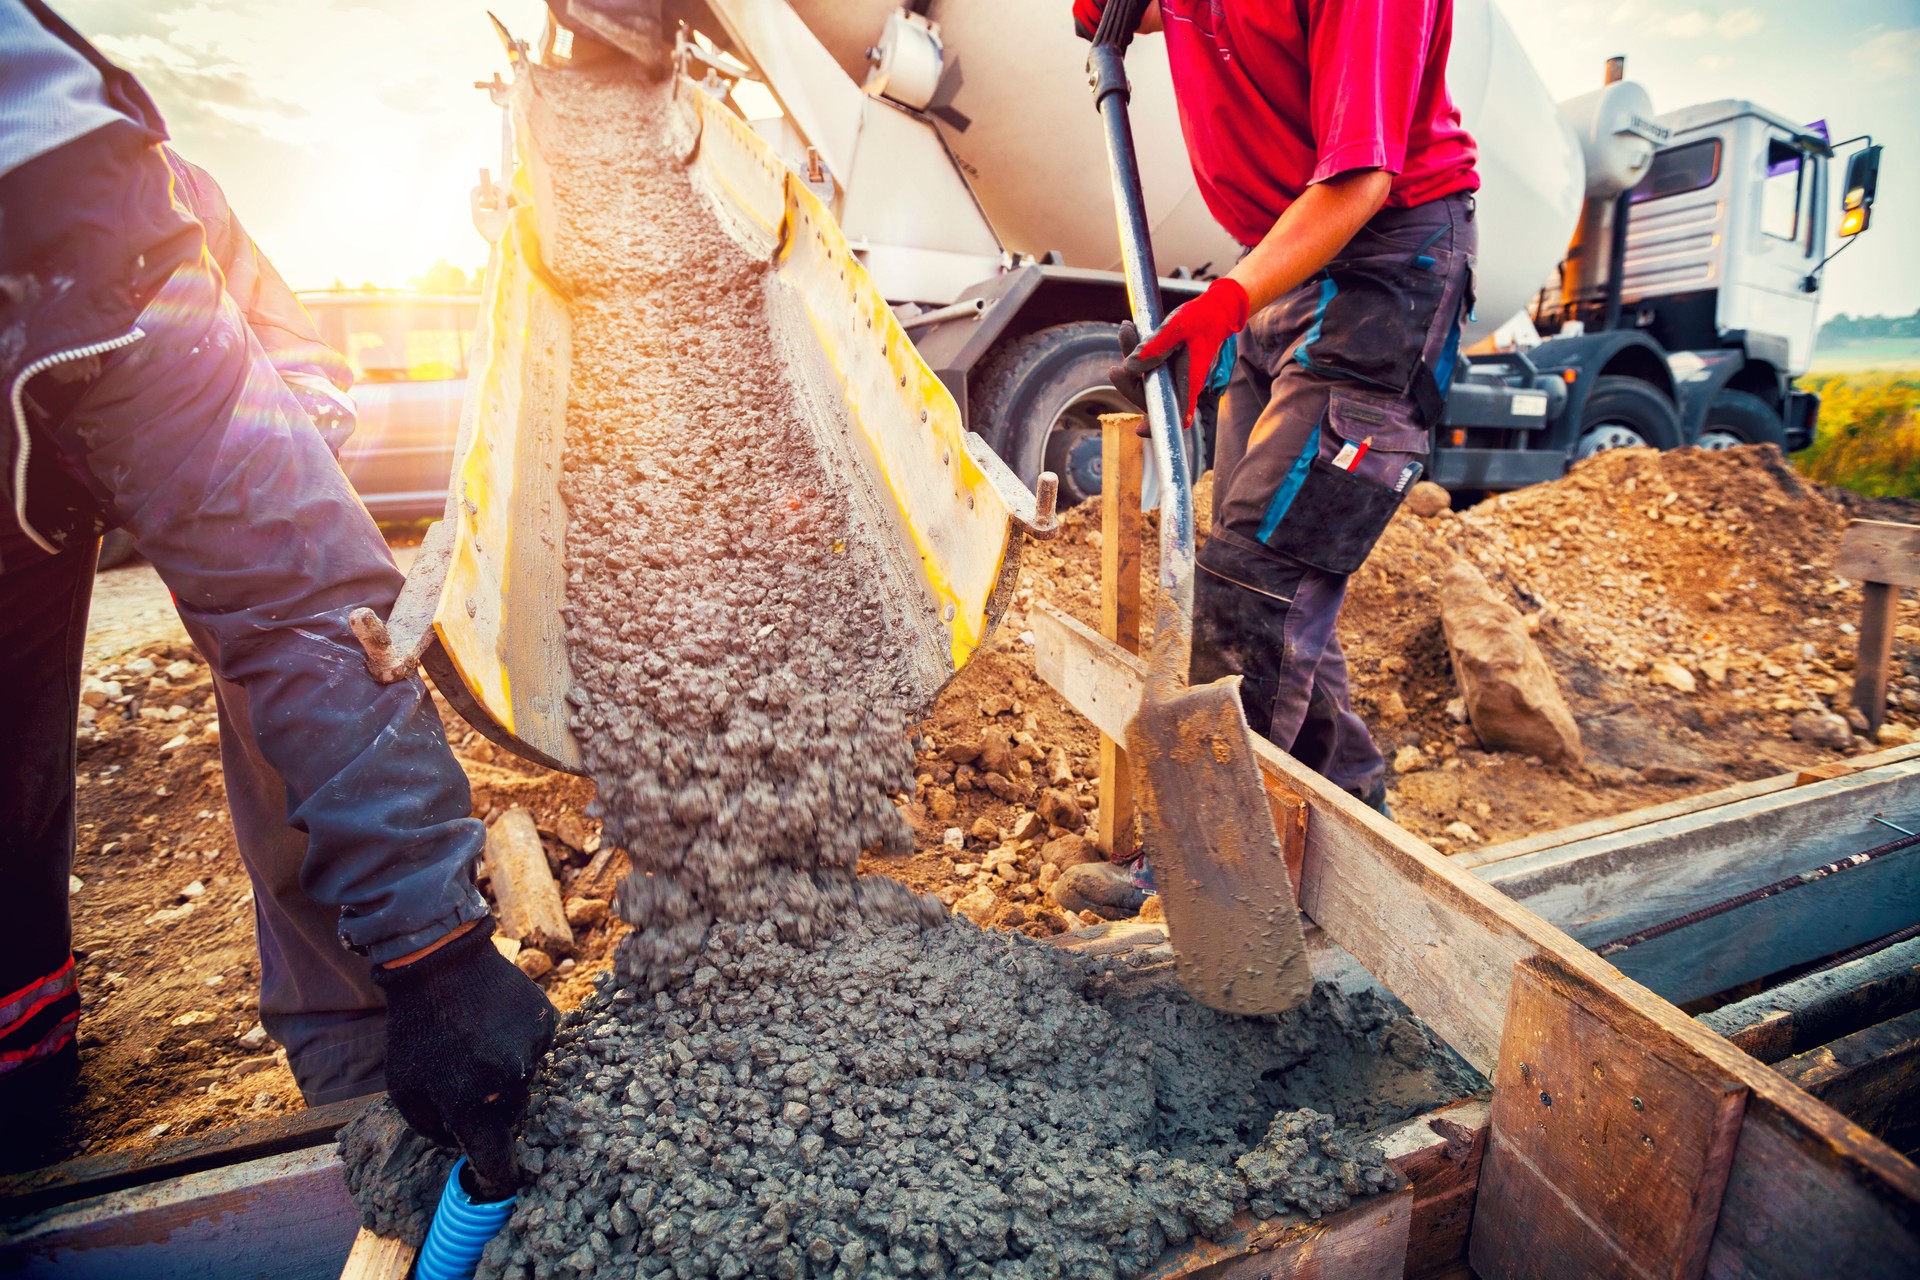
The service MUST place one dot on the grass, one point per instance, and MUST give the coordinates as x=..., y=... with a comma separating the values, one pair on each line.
x=1868, y=437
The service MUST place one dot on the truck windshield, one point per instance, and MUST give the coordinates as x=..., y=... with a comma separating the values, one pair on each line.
x=399, y=340
x=1678, y=170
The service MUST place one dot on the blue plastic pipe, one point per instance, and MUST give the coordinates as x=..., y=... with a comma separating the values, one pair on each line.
x=461, y=1228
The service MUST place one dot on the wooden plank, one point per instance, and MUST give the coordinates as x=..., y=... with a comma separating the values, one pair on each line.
x=1609, y=1143
x=1872, y=1075
x=90, y=1176
x=1365, y=1241
x=1290, y=824
x=1873, y=668
x=1880, y=551
x=1678, y=808
x=1818, y=1007
x=1807, y=1186
x=1440, y=1155
x=1121, y=465
x=377, y=1257
x=285, y=1216
x=1609, y=886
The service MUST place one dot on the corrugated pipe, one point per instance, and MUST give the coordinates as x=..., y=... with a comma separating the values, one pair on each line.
x=460, y=1231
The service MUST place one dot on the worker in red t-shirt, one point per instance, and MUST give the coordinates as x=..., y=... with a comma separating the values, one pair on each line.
x=1322, y=136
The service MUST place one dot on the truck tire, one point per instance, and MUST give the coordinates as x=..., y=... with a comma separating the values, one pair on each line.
x=1624, y=412
x=116, y=548
x=1037, y=402
x=1740, y=417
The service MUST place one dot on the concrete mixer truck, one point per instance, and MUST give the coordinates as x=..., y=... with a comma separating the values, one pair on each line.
x=1674, y=258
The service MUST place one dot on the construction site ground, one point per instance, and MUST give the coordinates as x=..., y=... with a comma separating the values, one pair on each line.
x=1639, y=574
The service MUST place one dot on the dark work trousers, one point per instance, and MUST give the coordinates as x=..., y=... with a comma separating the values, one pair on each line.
x=1326, y=422
x=352, y=816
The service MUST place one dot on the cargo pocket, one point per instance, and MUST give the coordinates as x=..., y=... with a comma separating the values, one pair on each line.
x=1371, y=321
x=1340, y=493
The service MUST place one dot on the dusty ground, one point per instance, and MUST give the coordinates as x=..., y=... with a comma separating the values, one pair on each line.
x=1727, y=578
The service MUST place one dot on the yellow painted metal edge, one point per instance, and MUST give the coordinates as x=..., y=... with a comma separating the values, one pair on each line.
x=958, y=509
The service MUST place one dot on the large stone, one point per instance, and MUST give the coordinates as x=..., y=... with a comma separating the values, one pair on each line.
x=1099, y=887
x=1513, y=701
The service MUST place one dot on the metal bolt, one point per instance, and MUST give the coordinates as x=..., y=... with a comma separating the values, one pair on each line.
x=1526, y=1072
x=1639, y=1105
x=1546, y=1099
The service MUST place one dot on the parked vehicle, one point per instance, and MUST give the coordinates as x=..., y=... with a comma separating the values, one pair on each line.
x=409, y=358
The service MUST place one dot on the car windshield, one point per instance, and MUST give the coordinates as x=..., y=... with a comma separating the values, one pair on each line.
x=396, y=340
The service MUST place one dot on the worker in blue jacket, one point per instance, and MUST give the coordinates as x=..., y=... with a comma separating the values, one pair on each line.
x=136, y=321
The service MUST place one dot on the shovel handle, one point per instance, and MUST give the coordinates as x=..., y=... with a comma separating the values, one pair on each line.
x=1173, y=616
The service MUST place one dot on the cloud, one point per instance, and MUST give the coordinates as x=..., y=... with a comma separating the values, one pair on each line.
x=1713, y=61
x=1887, y=54
x=1687, y=24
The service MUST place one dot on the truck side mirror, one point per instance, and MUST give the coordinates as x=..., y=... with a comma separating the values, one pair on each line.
x=1856, y=205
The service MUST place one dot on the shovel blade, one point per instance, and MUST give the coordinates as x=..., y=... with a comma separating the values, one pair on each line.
x=1208, y=834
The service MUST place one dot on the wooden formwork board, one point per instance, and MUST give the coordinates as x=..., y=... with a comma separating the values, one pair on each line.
x=1807, y=1193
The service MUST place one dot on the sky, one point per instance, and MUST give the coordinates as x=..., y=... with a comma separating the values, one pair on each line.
x=347, y=133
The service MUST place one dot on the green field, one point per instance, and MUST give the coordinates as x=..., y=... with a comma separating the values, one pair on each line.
x=1865, y=355
x=1868, y=438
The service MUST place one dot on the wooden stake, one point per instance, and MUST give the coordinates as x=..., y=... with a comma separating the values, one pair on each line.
x=1121, y=461
x=1883, y=557
x=523, y=885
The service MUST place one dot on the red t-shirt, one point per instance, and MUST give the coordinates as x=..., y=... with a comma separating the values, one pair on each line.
x=1276, y=95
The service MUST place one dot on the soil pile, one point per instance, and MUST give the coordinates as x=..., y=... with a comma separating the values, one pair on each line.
x=738, y=697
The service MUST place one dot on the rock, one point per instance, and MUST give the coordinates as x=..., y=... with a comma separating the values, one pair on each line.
x=174, y=743
x=577, y=833
x=1427, y=500
x=178, y=671
x=1513, y=701
x=193, y=890
x=1099, y=887
x=961, y=752
x=978, y=906
x=585, y=913
x=1061, y=810
x=954, y=838
x=533, y=962
x=508, y=947
x=1028, y=826
x=1714, y=669
x=1006, y=789
x=1059, y=767
x=1670, y=673
x=983, y=829
x=1069, y=851
x=74, y=885
x=253, y=1038
x=1822, y=729
x=197, y=1018
x=1410, y=759
x=1153, y=910
x=996, y=753
x=1457, y=710
x=941, y=803
x=1856, y=719
x=97, y=693
x=1462, y=832
x=1895, y=735
x=1392, y=707
x=142, y=668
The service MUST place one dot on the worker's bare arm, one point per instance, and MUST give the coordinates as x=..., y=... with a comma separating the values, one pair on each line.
x=1150, y=20
x=1313, y=229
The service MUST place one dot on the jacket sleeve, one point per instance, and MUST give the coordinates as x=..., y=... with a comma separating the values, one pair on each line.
x=284, y=328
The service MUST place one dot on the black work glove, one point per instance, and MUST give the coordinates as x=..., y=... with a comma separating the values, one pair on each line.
x=465, y=1030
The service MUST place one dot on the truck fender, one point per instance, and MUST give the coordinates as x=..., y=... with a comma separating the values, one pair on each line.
x=1019, y=301
x=1700, y=376
x=1625, y=352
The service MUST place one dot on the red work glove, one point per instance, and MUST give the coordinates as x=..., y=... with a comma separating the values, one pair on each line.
x=1195, y=331
x=1086, y=16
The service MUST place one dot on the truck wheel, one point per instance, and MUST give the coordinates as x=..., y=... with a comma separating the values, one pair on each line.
x=1037, y=401
x=1740, y=417
x=1623, y=413
x=116, y=548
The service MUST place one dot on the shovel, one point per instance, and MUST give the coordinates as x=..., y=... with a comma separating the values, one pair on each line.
x=1205, y=825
